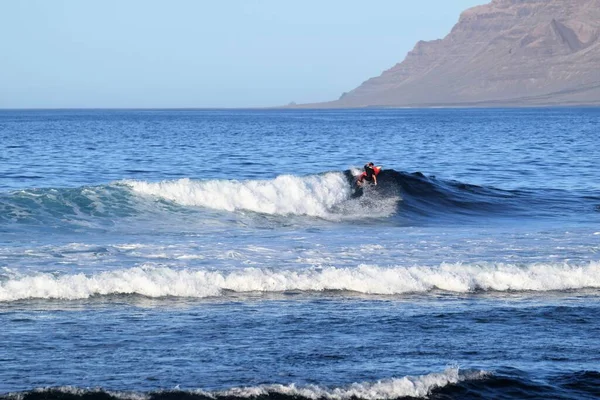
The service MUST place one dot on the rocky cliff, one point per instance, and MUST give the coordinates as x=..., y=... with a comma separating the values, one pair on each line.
x=507, y=52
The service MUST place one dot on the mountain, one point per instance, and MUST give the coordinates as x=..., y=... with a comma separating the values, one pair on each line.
x=505, y=53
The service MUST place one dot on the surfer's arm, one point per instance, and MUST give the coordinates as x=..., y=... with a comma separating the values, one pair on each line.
x=374, y=179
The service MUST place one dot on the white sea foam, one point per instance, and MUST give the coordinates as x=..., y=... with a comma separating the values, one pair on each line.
x=326, y=196
x=285, y=195
x=163, y=281
x=409, y=386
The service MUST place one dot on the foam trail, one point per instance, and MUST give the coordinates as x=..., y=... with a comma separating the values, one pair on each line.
x=161, y=282
x=285, y=195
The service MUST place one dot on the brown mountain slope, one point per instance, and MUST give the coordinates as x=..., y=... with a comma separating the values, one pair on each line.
x=507, y=52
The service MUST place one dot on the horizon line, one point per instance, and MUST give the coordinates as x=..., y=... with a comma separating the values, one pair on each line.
x=298, y=108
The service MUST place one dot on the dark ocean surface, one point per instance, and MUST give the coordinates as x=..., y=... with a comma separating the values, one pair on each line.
x=219, y=254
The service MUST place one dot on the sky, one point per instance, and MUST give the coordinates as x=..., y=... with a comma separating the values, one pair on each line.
x=205, y=53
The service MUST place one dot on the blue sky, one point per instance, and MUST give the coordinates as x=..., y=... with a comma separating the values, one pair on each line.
x=196, y=53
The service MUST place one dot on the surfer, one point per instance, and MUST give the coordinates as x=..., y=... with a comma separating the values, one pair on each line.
x=370, y=174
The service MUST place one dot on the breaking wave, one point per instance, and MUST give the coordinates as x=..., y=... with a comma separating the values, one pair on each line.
x=408, y=386
x=332, y=196
x=314, y=195
x=450, y=384
x=369, y=280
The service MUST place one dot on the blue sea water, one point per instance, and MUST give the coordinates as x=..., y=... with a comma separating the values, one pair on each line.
x=228, y=254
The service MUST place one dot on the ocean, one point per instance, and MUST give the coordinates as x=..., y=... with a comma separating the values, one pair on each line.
x=228, y=254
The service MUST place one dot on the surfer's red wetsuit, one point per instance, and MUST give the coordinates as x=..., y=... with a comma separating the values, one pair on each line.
x=370, y=174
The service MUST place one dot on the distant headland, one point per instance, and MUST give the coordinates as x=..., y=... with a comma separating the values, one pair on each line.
x=505, y=53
